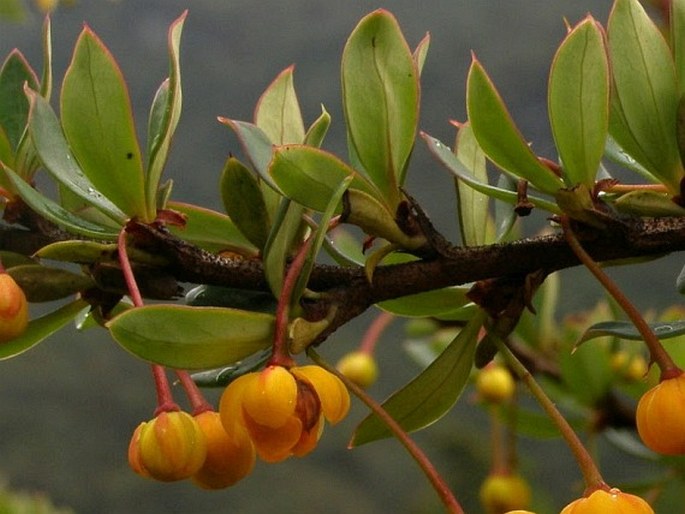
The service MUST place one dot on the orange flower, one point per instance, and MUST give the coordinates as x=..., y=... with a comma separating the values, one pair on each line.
x=609, y=502
x=283, y=410
x=661, y=416
x=229, y=458
x=14, y=309
x=170, y=447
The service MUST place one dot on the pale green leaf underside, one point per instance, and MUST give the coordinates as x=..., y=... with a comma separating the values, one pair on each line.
x=578, y=102
x=186, y=337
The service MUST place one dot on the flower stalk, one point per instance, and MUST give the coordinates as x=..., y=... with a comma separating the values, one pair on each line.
x=437, y=481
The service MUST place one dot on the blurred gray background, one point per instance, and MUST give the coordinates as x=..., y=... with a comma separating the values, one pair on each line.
x=68, y=407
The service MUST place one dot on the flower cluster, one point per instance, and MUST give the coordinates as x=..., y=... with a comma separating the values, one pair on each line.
x=175, y=446
x=283, y=410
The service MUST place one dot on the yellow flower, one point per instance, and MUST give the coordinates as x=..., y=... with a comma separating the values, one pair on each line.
x=608, y=502
x=170, y=447
x=360, y=367
x=502, y=492
x=283, y=410
x=14, y=309
x=46, y=6
x=229, y=458
x=495, y=384
x=661, y=416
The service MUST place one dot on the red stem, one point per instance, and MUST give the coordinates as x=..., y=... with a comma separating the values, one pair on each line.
x=373, y=333
x=127, y=270
x=436, y=480
x=281, y=355
x=197, y=400
x=657, y=353
x=165, y=400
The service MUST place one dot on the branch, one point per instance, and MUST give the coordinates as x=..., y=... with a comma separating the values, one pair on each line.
x=349, y=290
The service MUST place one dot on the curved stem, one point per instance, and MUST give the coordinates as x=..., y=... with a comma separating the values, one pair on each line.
x=436, y=480
x=658, y=354
x=197, y=400
x=165, y=400
x=373, y=333
x=127, y=270
x=591, y=475
x=281, y=355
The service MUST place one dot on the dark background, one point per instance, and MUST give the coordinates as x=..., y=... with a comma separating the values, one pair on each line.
x=68, y=407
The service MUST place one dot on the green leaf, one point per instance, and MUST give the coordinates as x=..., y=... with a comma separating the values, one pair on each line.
x=12, y=10
x=474, y=207
x=344, y=248
x=578, y=102
x=56, y=156
x=56, y=213
x=223, y=376
x=319, y=237
x=678, y=41
x=210, y=230
x=98, y=124
x=317, y=131
x=46, y=77
x=380, y=85
x=311, y=176
x=645, y=96
x=244, y=202
x=40, y=328
x=421, y=52
x=286, y=231
x=648, y=203
x=278, y=111
x=14, y=108
x=431, y=394
x=499, y=137
x=246, y=300
x=587, y=372
x=6, y=153
x=46, y=284
x=164, y=116
x=443, y=153
x=440, y=302
x=626, y=330
x=79, y=252
x=87, y=252
x=185, y=337
x=374, y=218
x=256, y=146
x=614, y=152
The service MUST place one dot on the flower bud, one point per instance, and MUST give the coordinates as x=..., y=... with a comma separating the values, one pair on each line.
x=495, y=384
x=608, y=502
x=170, y=447
x=335, y=400
x=229, y=458
x=359, y=367
x=503, y=492
x=660, y=416
x=14, y=309
x=283, y=410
